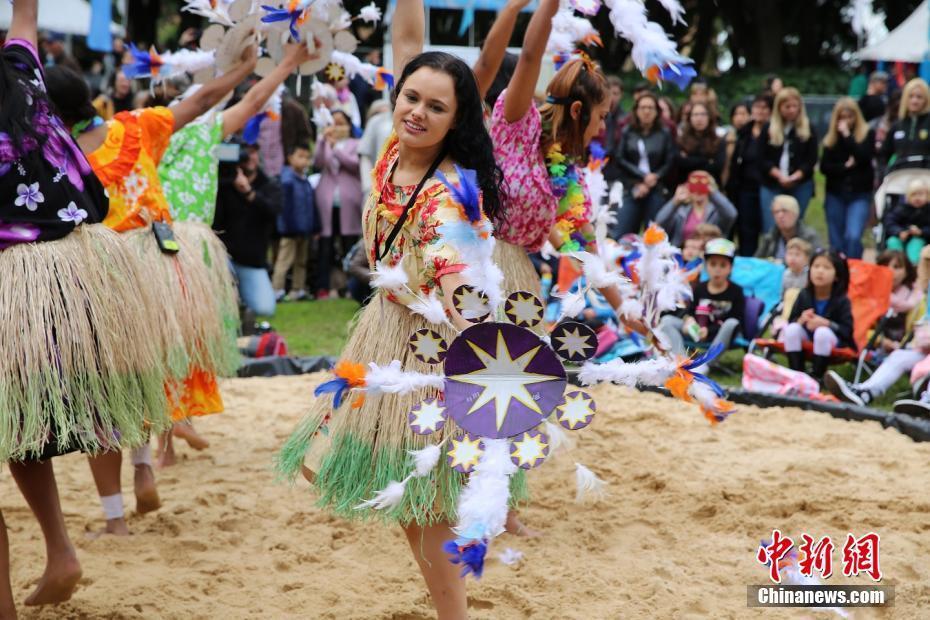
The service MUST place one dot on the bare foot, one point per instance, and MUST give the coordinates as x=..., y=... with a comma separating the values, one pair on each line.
x=116, y=527
x=58, y=582
x=187, y=432
x=146, y=491
x=166, y=457
x=515, y=526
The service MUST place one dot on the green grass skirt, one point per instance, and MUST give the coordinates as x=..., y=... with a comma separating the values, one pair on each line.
x=80, y=369
x=356, y=452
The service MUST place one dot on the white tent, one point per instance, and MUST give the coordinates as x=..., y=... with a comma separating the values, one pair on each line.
x=64, y=16
x=909, y=42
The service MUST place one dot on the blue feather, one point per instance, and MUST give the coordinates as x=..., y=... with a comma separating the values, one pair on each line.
x=597, y=151
x=337, y=387
x=680, y=76
x=466, y=194
x=459, y=233
x=706, y=357
x=253, y=128
x=142, y=65
x=280, y=15
x=470, y=555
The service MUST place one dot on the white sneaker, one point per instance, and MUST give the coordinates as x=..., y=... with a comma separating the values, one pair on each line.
x=298, y=295
x=278, y=295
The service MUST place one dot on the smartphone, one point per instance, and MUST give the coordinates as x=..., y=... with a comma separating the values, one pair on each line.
x=164, y=235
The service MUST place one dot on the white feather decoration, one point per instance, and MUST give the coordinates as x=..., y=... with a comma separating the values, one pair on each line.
x=483, y=503
x=425, y=460
x=631, y=308
x=675, y=10
x=559, y=440
x=548, y=250
x=588, y=485
x=388, y=497
x=510, y=557
x=573, y=304
x=371, y=13
x=430, y=308
x=597, y=271
x=388, y=277
x=647, y=372
x=394, y=380
x=204, y=8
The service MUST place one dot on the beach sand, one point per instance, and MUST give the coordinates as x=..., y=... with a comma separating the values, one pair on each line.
x=676, y=538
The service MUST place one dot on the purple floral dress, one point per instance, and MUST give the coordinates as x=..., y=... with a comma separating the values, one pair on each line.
x=47, y=188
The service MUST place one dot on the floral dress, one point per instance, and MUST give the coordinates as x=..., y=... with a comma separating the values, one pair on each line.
x=189, y=170
x=48, y=189
x=126, y=163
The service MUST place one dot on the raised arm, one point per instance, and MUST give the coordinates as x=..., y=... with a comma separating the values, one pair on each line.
x=251, y=104
x=519, y=95
x=407, y=32
x=214, y=90
x=23, y=25
x=495, y=46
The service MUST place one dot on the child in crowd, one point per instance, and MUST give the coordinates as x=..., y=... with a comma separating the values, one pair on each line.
x=717, y=306
x=904, y=297
x=822, y=313
x=797, y=254
x=298, y=220
x=908, y=222
x=693, y=245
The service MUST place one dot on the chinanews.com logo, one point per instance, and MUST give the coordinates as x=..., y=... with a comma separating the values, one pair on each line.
x=796, y=573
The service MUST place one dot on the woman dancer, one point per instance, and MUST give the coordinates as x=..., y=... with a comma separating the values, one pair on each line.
x=353, y=453
x=196, y=321
x=78, y=371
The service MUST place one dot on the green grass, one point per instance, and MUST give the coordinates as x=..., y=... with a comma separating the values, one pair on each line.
x=314, y=327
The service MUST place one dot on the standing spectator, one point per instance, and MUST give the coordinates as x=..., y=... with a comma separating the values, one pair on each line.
x=641, y=161
x=295, y=130
x=789, y=155
x=53, y=46
x=746, y=175
x=614, y=120
x=696, y=202
x=787, y=216
x=699, y=146
x=822, y=313
x=338, y=195
x=739, y=117
x=296, y=223
x=848, y=150
x=377, y=130
x=772, y=85
x=908, y=222
x=345, y=102
x=882, y=125
x=247, y=204
x=907, y=144
x=667, y=116
x=118, y=97
x=873, y=102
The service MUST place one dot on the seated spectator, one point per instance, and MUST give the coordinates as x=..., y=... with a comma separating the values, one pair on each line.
x=787, y=213
x=908, y=222
x=822, y=313
x=699, y=146
x=904, y=297
x=715, y=314
x=798, y=254
x=298, y=220
x=247, y=204
x=694, y=203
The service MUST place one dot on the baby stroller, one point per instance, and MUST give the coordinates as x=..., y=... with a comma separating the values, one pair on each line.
x=892, y=190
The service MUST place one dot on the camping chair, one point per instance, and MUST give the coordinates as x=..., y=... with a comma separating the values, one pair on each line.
x=869, y=293
x=871, y=350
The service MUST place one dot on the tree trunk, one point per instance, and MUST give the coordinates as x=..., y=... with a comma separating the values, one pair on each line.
x=707, y=14
x=767, y=22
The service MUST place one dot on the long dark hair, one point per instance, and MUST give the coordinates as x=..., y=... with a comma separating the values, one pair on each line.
x=69, y=94
x=697, y=142
x=468, y=142
x=578, y=80
x=890, y=256
x=20, y=102
x=841, y=283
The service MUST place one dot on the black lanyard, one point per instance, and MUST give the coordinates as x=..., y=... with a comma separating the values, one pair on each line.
x=380, y=254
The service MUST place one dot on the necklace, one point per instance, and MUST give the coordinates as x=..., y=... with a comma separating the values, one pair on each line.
x=571, y=214
x=85, y=126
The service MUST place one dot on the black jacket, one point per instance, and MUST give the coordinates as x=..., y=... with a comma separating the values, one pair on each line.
x=860, y=177
x=246, y=227
x=907, y=144
x=687, y=162
x=624, y=158
x=802, y=155
x=838, y=312
x=745, y=168
x=902, y=216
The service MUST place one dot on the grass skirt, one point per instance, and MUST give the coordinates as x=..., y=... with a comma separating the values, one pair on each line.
x=356, y=452
x=79, y=369
x=519, y=272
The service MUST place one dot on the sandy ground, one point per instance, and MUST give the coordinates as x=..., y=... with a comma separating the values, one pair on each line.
x=676, y=539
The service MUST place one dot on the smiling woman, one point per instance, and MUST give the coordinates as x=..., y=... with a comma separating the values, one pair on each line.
x=439, y=158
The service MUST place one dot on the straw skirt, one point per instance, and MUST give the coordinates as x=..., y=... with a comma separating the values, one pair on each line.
x=356, y=452
x=519, y=272
x=79, y=370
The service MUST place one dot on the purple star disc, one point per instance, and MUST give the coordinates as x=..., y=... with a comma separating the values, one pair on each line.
x=501, y=380
x=529, y=450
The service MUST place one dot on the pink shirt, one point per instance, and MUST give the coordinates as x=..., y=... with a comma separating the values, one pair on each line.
x=529, y=208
